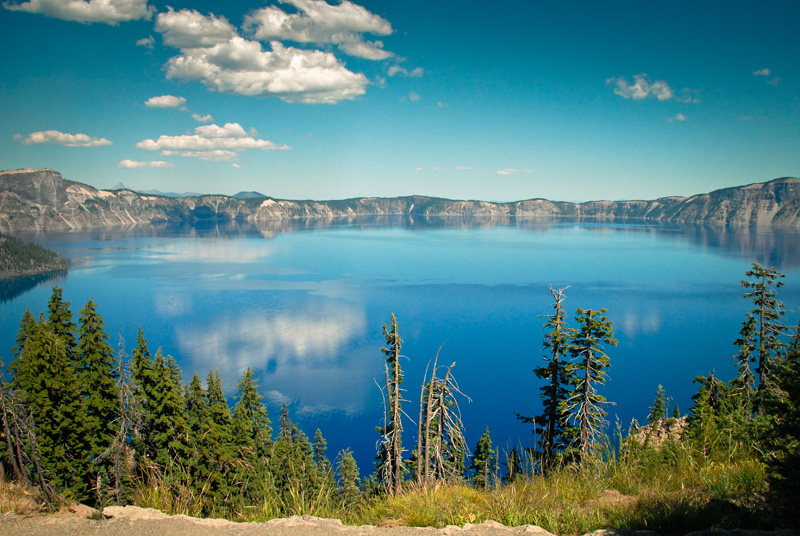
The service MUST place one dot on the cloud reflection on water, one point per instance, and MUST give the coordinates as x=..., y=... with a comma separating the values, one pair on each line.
x=305, y=356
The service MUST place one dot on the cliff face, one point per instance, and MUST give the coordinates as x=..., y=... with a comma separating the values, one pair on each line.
x=42, y=199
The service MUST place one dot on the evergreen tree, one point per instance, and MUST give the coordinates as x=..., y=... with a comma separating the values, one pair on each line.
x=320, y=460
x=659, y=407
x=783, y=437
x=60, y=322
x=743, y=385
x=347, y=477
x=390, y=466
x=585, y=405
x=143, y=394
x=252, y=436
x=97, y=376
x=552, y=424
x=484, y=462
x=167, y=426
x=52, y=394
x=767, y=314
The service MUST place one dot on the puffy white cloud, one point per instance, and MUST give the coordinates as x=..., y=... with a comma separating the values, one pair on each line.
x=761, y=72
x=165, y=101
x=146, y=42
x=209, y=142
x=216, y=131
x=242, y=67
x=188, y=28
x=679, y=118
x=87, y=11
x=133, y=164
x=317, y=21
x=414, y=96
x=202, y=118
x=642, y=88
x=507, y=171
x=60, y=138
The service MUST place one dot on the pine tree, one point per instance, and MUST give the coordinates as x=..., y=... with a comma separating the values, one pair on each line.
x=60, y=322
x=585, y=405
x=320, y=459
x=252, y=435
x=552, y=424
x=347, y=477
x=167, y=430
x=484, y=462
x=143, y=394
x=391, y=469
x=97, y=376
x=659, y=407
x=744, y=384
x=783, y=437
x=52, y=394
x=767, y=313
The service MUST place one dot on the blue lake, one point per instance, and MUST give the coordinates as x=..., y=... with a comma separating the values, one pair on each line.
x=303, y=303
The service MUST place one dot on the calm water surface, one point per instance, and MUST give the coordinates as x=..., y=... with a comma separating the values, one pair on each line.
x=303, y=305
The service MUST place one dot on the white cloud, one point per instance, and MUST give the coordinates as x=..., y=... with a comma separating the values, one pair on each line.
x=761, y=72
x=317, y=21
x=132, y=164
x=394, y=70
x=463, y=168
x=87, y=11
x=165, y=101
x=642, y=88
x=413, y=96
x=188, y=28
x=419, y=169
x=242, y=67
x=216, y=131
x=146, y=42
x=679, y=118
x=507, y=171
x=59, y=138
x=441, y=104
x=202, y=118
x=210, y=142
x=775, y=81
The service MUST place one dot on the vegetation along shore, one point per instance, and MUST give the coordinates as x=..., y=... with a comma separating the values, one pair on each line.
x=137, y=435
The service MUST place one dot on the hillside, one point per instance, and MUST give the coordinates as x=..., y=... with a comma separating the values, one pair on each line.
x=41, y=199
x=25, y=258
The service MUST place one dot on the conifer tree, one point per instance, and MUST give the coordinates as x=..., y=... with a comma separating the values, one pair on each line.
x=97, y=377
x=585, y=405
x=484, y=462
x=143, y=394
x=53, y=395
x=320, y=459
x=743, y=386
x=347, y=477
x=60, y=322
x=391, y=469
x=552, y=425
x=767, y=314
x=167, y=426
x=250, y=409
x=658, y=408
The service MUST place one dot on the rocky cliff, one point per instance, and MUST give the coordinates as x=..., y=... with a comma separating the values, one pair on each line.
x=41, y=199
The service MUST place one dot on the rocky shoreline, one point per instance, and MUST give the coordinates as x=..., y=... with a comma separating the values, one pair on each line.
x=42, y=200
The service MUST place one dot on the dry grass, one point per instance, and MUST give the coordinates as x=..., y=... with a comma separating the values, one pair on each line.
x=20, y=499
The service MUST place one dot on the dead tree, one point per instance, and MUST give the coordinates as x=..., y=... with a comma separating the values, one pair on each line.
x=390, y=455
x=440, y=435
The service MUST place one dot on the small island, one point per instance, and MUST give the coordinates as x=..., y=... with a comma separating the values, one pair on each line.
x=20, y=258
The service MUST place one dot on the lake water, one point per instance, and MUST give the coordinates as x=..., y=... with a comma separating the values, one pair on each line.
x=303, y=303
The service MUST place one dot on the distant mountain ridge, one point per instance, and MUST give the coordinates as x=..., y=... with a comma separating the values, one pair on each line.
x=41, y=199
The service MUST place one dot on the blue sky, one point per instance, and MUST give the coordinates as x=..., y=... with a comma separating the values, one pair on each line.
x=501, y=101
